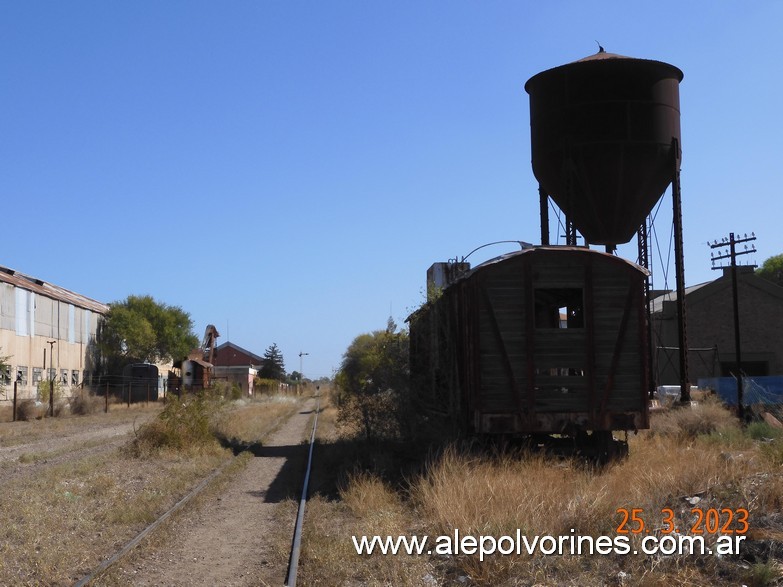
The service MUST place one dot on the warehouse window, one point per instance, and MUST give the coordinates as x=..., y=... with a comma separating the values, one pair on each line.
x=74, y=378
x=559, y=307
x=6, y=374
x=64, y=377
x=21, y=375
x=37, y=375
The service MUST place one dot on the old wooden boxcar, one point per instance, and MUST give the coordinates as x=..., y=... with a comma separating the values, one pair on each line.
x=548, y=340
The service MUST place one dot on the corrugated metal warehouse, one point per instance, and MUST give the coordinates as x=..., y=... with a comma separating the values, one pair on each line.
x=34, y=314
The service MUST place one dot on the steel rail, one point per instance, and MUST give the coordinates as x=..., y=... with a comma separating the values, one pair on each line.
x=293, y=563
x=130, y=545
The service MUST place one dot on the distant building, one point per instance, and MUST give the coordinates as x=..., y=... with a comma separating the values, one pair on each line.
x=234, y=364
x=34, y=313
x=229, y=354
x=709, y=318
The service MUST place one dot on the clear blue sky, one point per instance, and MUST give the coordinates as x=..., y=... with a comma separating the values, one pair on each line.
x=288, y=170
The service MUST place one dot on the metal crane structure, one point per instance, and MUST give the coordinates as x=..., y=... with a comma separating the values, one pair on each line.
x=209, y=344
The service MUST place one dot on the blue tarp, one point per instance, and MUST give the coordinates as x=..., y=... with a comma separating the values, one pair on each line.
x=755, y=390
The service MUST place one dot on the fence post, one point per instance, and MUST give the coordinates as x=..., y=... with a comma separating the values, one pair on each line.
x=106, y=407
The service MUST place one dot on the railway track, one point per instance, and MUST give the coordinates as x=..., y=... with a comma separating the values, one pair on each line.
x=228, y=547
x=293, y=565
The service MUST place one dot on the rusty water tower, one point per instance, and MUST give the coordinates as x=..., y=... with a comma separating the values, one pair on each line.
x=605, y=145
x=604, y=132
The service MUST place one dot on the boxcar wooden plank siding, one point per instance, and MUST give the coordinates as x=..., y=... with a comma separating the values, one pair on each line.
x=549, y=339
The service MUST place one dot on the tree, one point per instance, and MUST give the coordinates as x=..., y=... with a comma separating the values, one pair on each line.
x=772, y=269
x=273, y=366
x=143, y=330
x=374, y=377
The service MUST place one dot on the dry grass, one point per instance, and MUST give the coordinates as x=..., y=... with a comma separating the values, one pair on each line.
x=85, y=404
x=66, y=519
x=497, y=495
x=694, y=455
x=77, y=405
x=251, y=421
x=29, y=409
x=686, y=423
x=12, y=433
x=368, y=507
x=63, y=520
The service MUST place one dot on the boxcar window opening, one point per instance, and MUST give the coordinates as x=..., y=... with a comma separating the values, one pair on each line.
x=559, y=308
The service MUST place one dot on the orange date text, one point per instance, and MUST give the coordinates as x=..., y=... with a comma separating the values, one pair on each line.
x=705, y=521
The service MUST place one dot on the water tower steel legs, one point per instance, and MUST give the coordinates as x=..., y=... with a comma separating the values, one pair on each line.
x=679, y=267
x=543, y=199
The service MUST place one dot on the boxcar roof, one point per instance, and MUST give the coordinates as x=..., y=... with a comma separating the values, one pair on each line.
x=536, y=249
x=576, y=251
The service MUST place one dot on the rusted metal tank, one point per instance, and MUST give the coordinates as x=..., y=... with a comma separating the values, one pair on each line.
x=604, y=131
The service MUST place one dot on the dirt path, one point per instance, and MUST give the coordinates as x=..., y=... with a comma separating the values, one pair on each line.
x=223, y=541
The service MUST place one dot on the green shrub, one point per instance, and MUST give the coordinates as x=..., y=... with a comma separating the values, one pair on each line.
x=762, y=430
x=236, y=391
x=763, y=574
x=183, y=425
x=43, y=390
x=269, y=386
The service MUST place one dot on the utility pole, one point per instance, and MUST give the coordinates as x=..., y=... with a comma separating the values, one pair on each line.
x=16, y=383
x=301, y=354
x=732, y=243
x=301, y=375
x=644, y=261
x=51, y=344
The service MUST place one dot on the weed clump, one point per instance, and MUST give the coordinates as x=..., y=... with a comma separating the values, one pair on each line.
x=182, y=426
x=29, y=409
x=85, y=405
x=227, y=390
x=763, y=431
x=773, y=452
x=688, y=422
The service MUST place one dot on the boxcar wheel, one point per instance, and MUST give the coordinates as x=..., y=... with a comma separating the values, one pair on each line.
x=607, y=448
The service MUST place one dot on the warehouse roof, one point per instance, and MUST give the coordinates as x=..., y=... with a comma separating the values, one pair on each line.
x=50, y=290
